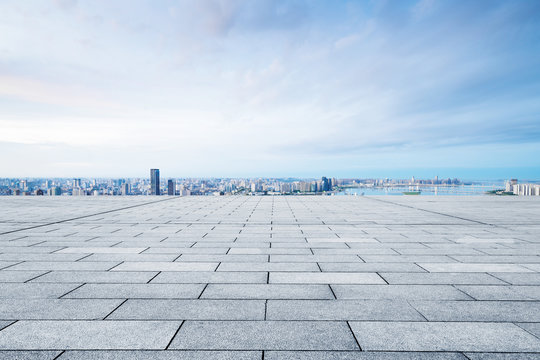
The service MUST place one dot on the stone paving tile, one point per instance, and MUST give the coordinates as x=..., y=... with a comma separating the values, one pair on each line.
x=166, y=266
x=34, y=290
x=36, y=335
x=399, y=292
x=268, y=266
x=161, y=355
x=444, y=336
x=503, y=356
x=266, y=335
x=190, y=310
x=475, y=268
x=315, y=310
x=211, y=278
x=519, y=279
x=509, y=311
x=101, y=250
x=442, y=278
x=51, y=309
x=28, y=355
x=325, y=278
x=509, y=292
x=266, y=291
x=7, y=276
x=370, y=267
x=80, y=277
x=65, y=266
x=137, y=291
x=356, y=355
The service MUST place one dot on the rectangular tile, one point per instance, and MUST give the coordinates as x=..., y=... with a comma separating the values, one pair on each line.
x=190, y=310
x=461, y=267
x=265, y=335
x=399, y=292
x=494, y=311
x=137, y=291
x=266, y=291
x=206, y=277
x=325, y=278
x=36, y=335
x=316, y=310
x=63, y=309
x=443, y=336
x=165, y=266
x=268, y=266
x=441, y=278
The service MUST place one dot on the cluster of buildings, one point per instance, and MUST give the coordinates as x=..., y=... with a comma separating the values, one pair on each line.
x=155, y=185
x=512, y=187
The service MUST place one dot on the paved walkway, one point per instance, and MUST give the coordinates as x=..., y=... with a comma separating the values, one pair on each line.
x=294, y=277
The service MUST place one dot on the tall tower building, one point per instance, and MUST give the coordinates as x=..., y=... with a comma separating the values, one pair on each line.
x=154, y=182
x=170, y=187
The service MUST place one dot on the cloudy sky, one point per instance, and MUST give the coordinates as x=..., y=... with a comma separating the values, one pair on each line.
x=270, y=88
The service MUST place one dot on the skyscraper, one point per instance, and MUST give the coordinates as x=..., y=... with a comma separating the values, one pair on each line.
x=154, y=182
x=170, y=187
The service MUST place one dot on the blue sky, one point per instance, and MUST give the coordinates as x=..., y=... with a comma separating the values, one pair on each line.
x=270, y=88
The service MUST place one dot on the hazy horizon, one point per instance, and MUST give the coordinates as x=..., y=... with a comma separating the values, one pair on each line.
x=211, y=88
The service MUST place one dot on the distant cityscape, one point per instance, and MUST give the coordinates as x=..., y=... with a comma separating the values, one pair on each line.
x=155, y=185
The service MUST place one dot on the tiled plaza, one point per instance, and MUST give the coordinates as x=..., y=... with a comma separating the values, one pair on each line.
x=285, y=277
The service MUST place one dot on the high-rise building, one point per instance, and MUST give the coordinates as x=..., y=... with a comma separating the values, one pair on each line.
x=125, y=189
x=154, y=182
x=76, y=183
x=170, y=187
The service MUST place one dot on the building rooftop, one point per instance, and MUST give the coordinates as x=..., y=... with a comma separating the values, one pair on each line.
x=292, y=277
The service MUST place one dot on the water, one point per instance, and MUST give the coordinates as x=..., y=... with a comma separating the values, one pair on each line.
x=425, y=190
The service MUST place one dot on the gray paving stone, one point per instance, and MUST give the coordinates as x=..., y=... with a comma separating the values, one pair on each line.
x=501, y=292
x=441, y=278
x=268, y=266
x=509, y=311
x=267, y=335
x=314, y=258
x=370, y=267
x=7, y=276
x=36, y=335
x=166, y=266
x=399, y=292
x=266, y=291
x=315, y=310
x=101, y=250
x=475, y=268
x=222, y=258
x=357, y=355
x=28, y=355
x=205, y=277
x=130, y=257
x=65, y=266
x=52, y=309
x=80, y=277
x=519, y=279
x=190, y=310
x=33, y=290
x=444, y=336
x=137, y=291
x=325, y=278
x=161, y=355
x=503, y=356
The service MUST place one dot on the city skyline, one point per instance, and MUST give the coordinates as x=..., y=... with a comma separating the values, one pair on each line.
x=270, y=88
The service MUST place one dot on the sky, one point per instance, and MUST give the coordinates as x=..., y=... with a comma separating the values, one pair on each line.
x=270, y=88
